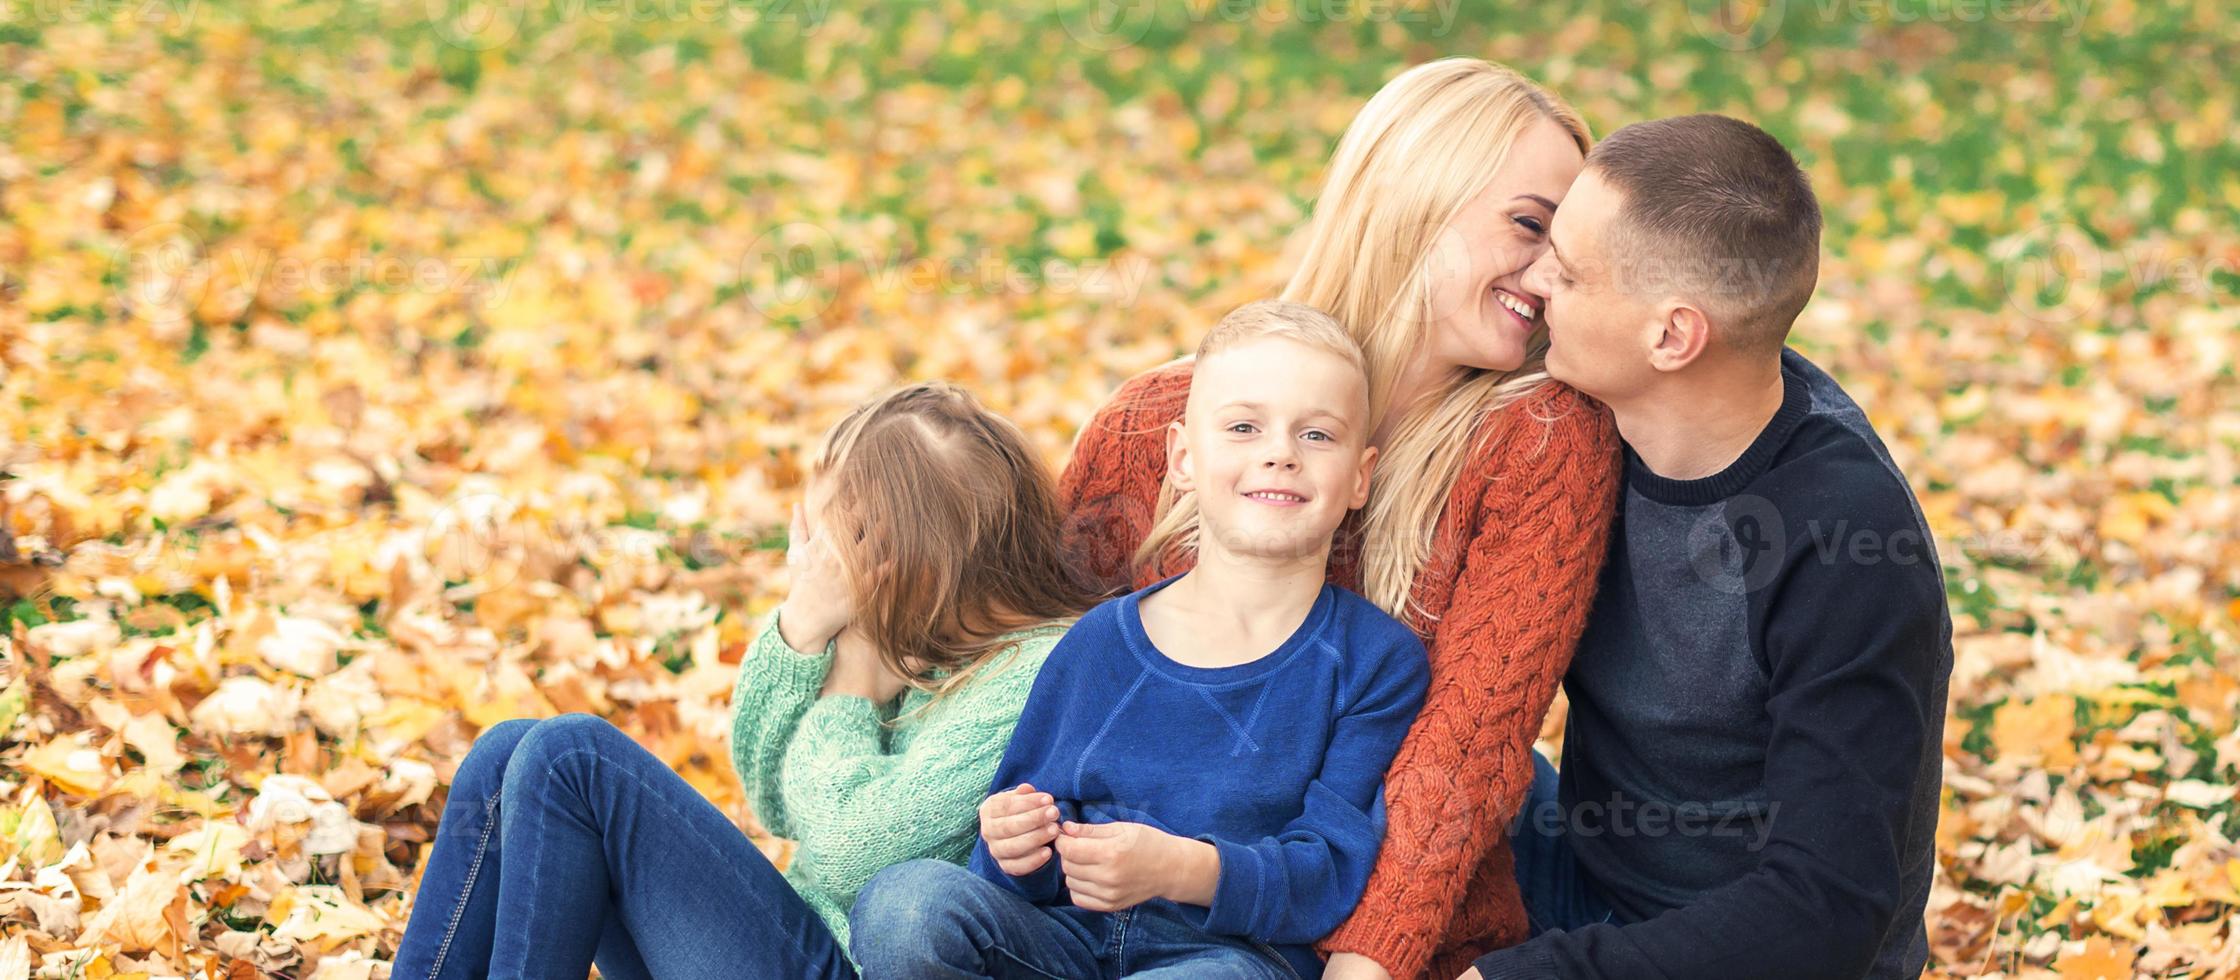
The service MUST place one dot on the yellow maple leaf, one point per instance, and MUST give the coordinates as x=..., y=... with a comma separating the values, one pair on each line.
x=2037, y=730
x=2099, y=959
x=71, y=765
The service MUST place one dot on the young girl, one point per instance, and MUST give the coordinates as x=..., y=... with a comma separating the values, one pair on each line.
x=926, y=566
x=1193, y=790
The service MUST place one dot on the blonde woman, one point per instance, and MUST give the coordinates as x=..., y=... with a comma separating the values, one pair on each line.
x=1488, y=518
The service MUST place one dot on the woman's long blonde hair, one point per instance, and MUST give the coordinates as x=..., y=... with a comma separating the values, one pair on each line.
x=1423, y=147
x=1176, y=524
x=948, y=525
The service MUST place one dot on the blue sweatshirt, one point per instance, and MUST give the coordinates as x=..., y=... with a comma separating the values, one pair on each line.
x=1278, y=763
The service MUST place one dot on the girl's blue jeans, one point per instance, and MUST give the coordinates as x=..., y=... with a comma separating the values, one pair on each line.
x=566, y=842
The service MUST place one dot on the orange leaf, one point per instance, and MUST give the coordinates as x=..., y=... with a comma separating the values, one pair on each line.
x=2098, y=960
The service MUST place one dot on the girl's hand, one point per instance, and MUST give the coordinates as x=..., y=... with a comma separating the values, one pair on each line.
x=1113, y=866
x=1354, y=966
x=1019, y=824
x=820, y=603
x=858, y=671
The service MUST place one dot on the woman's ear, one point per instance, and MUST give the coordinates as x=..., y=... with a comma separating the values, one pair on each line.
x=1178, y=457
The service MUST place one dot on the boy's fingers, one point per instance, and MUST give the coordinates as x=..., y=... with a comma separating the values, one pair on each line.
x=1026, y=865
x=1078, y=851
x=1006, y=804
x=1021, y=824
x=1014, y=848
x=1016, y=845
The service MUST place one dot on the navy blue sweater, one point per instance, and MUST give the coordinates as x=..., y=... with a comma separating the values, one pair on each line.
x=1278, y=763
x=1754, y=753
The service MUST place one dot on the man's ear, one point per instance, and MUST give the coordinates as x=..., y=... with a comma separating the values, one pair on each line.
x=1178, y=457
x=1361, y=480
x=1683, y=334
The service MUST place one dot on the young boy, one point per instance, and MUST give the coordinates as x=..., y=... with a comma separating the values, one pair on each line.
x=1193, y=788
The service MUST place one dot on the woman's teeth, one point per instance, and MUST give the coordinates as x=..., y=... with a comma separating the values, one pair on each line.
x=1515, y=305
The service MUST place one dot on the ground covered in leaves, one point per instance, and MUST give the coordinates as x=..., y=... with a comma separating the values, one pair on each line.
x=370, y=374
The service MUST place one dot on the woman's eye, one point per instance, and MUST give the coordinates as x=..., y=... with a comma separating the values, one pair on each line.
x=1534, y=225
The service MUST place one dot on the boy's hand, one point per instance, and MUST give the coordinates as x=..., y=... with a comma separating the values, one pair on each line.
x=1019, y=824
x=1112, y=866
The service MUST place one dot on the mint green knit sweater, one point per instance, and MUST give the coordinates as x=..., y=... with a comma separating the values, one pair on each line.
x=854, y=795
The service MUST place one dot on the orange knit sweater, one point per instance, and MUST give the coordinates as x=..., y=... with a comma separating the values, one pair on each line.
x=1514, y=563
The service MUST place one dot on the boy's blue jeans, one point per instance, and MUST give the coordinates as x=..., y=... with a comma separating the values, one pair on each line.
x=930, y=920
x=1558, y=893
x=565, y=841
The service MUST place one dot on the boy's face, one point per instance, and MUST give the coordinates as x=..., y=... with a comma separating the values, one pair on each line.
x=1601, y=320
x=1275, y=444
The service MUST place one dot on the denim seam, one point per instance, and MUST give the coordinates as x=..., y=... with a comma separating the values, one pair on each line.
x=1277, y=956
x=549, y=772
x=459, y=911
x=1120, y=940
x=1023, y=964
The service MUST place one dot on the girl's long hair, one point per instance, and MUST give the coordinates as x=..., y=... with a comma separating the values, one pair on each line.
x=1423, y=147
x=947, y=522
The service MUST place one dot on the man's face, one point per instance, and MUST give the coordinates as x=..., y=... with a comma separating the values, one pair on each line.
x=1601, y=323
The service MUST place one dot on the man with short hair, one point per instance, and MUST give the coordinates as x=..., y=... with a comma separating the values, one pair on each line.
x=1751, y=768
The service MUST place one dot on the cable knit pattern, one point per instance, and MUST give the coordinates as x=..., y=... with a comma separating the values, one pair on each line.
x=1505, y=596
x=855, y=796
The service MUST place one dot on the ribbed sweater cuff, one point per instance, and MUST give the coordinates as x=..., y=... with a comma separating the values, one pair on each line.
x=1240, y=892
x=1402, y=947
x=1527, y=962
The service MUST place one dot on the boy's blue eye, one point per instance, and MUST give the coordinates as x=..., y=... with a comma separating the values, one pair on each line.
x=1234, y=426
x=1318, y=434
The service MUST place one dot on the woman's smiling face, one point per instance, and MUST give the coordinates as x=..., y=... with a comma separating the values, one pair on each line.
x=1482, y=314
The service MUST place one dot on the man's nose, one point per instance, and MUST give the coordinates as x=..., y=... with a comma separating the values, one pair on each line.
x=1536, y=275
